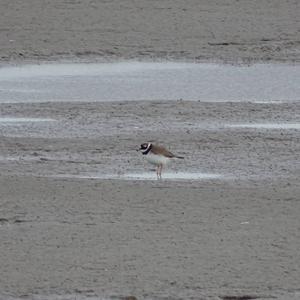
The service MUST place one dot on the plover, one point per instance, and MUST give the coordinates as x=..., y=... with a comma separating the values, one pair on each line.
x=157, y=155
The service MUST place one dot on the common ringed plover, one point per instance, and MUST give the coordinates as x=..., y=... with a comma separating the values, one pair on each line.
x=157, y=155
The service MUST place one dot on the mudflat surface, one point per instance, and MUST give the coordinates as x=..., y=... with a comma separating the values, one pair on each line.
x=83, y=217
x=65, y=234
x=156, y=240
x=227, y=30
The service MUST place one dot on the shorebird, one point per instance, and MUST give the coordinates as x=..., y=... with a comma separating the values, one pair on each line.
x=157, y=155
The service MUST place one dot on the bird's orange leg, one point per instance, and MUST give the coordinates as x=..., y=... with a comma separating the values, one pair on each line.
x=160, y=169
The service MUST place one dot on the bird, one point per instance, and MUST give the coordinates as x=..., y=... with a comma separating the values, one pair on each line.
x=157, y=155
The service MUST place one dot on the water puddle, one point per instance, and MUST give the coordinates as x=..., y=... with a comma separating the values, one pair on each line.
x=146, y=176
x=259, y=83
x=267, y=126
x=170, y=176
x=9, y=158
x=23, y=158
x=267, y=102
x=79, y=296
x=24, y=120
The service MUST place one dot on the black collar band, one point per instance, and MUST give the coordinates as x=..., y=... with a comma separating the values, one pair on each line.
x=147, y=151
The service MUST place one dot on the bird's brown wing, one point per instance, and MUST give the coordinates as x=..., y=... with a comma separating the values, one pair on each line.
x=159, y=150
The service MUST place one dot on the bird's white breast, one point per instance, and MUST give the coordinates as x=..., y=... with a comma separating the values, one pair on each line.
x=156, y=159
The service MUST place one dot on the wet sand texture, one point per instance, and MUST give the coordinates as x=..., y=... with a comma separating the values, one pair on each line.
x=191, y=239
x=153, y=240
x=235, y=238
x=227, y=30
x=95, y=137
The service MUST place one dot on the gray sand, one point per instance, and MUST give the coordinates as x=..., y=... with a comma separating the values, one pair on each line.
x=67, y=234
x=227, y=30
x=158, y=240
x=184, y=239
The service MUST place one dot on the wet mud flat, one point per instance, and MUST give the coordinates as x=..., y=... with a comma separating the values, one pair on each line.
x=155, y=240
x=227, y=30
x=70, y=230
x=230, y=139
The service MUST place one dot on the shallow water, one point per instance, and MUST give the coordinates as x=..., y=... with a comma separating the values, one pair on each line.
x=267, y=126
x=146, y=176
x=60, y=297
x=262, y=83
x=24, y=120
